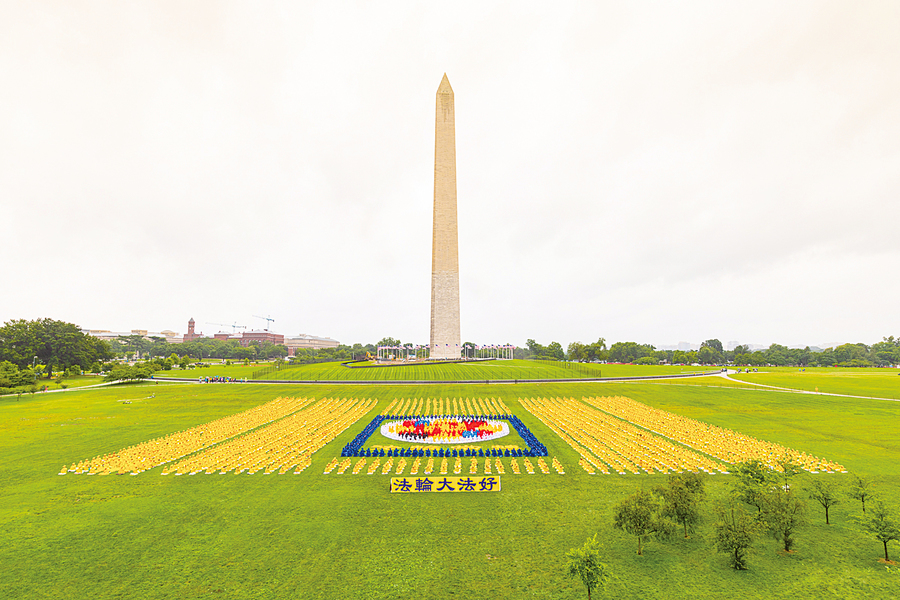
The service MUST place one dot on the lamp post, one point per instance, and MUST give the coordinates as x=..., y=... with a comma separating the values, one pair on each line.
x=33, y=372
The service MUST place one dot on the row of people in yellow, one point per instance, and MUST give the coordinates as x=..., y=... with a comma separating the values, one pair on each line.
x=460, y=448
x=158, y=451
x=724, y=444
x=488, y=466
x=279, y=446
x=446, y=406
x=606, y=443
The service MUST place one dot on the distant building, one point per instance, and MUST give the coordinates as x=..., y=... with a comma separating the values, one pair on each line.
x=310, y=342
x=108, y=336
x=245, y=338
x=171, y=336
x=225, y=336
x=191, y=335
x=261, y=336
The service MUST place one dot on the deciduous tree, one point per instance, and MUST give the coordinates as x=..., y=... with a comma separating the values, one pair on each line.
x=783, y=512
x=681, y=498
x=825, y=492
x=735, y=533
x=754, y=480
x=54, y=343
x=126, y=373
x=883, y=525
x=790, y=467
x=585, y=564
x=640, y=515
x=576, y=352
x=861, y=489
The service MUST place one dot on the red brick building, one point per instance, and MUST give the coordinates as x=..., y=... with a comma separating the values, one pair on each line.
x=261, y=337
x=190, y=335
x=251, y=336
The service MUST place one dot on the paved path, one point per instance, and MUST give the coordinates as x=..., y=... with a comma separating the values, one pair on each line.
x=726, y=374
x=723, y=374
x=81, y=387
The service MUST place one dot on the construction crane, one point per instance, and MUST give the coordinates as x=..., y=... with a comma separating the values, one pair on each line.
x=267, y=319
x=234, y=327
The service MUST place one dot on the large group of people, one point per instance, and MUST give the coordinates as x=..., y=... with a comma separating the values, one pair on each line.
x=286, y=444
x=445, y=407
x=609, y=444
x=159, y=451
x=274, y=437
x=429, y=465
x=724, y=444
x=219, y=379
x=616, y=434
x=446, y=429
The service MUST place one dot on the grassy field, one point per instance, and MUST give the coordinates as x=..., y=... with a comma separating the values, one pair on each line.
x=69, y=382
x=338, y=536
x=476, y=371
x=881, y=383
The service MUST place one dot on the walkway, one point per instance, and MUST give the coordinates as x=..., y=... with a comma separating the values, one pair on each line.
x=725, y=375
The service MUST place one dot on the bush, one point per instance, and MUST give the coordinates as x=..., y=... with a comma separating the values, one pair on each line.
x=125, y=373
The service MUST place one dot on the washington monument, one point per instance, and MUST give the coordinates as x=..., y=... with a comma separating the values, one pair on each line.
x=445, y=339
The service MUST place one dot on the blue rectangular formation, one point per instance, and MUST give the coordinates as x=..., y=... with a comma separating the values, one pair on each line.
x=355, y=447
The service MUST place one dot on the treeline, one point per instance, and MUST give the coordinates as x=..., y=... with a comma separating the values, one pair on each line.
x=881, y=354
x=305, y=356
x=51, y=344
x=137, y=346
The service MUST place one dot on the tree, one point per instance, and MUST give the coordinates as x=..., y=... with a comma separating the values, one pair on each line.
x=389, y=341
x=735, y=533
x=790, y=467
x=628, y=352
x=861, y=489
x=534, y=348
x=585, y=564
x=711, y=352
x=681, y=498
x=714, y=344
x=883, y=525
x=754, y=480
x=576, y=352
x=126, y=373
x=54, y=343
x=825, y=493
x=783, y=512
x=555, y=351
x=596, y=351
x=708, y=356
x=639, y=515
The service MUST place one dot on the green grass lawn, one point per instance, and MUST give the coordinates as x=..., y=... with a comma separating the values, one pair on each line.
x=69, y=382
x=340, y=536
x=475, y=371
x=881, y=383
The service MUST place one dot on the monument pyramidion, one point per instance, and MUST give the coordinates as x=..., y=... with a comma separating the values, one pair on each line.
x=445, y=338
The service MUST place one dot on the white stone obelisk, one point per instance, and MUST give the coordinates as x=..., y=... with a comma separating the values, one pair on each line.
x=445, y=338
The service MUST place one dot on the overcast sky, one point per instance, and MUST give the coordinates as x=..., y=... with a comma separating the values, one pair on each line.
x=648, y=171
